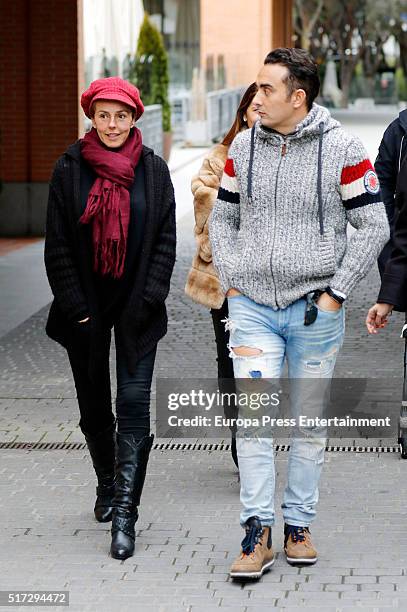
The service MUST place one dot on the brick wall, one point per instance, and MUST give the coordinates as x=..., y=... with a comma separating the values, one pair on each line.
x=13, y=103
x=38, y=86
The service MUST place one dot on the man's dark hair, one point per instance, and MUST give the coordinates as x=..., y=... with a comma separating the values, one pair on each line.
x=302, y=71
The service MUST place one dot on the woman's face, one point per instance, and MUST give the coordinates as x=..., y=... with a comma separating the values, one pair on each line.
x=112, y=121
x=251, y=115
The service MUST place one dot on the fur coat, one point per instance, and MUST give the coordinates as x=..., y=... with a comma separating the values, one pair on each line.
x=203, y=283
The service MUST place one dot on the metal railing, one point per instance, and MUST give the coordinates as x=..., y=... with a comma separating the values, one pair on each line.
x=221, y=106
x=150, y=124
x=180, y=114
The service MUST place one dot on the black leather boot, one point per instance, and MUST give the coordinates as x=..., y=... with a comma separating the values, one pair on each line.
x=131, y=465
x=102, y=451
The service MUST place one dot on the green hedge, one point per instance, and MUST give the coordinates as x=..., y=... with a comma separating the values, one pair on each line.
x=150, y=70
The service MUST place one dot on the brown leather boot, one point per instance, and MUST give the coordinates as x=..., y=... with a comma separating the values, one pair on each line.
x=257, y=554
x=298, y=546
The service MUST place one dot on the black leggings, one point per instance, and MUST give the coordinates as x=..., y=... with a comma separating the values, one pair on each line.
x=94, y=396
x=225, y=363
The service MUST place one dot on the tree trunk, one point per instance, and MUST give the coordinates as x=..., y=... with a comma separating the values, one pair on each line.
x=347, y=70
x=306, y=38
x=402, y=40
x=370, y=83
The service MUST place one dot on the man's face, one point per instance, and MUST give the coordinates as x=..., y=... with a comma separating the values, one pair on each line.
x=275, y=108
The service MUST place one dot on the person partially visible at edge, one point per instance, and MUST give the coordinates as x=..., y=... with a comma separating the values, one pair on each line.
x=392, y=151
x=109, y=256
x=393, y=289
x=278, y=234
x=203, y=284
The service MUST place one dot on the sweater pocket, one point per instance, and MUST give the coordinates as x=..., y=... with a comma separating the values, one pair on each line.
x=327, y=252
x=58, y=326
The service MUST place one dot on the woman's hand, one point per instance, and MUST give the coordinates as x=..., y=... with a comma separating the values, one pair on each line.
x=377, y=317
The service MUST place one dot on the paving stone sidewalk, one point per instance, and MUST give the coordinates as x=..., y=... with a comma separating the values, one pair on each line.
x=188, y=531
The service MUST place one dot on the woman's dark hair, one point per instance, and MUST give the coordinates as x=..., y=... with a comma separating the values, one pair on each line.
x=302, y=71
x=238, y=123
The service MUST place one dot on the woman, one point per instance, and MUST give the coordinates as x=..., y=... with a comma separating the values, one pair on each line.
x=109, y=255
x=392, y=151
x=203, y=284
x=393, y=289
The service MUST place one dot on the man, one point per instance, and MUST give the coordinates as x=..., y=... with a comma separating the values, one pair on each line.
x=278, y=235
x=392, y=151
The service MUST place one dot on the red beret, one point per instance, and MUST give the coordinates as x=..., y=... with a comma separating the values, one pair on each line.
x=112, y=88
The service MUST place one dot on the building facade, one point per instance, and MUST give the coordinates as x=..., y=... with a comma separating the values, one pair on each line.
x=227, y=40
x=42, y=74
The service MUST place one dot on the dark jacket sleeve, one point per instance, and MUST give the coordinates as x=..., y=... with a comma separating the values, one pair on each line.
x=162, y=257
x=393, y=289
x=60, y=264
x=387, y=165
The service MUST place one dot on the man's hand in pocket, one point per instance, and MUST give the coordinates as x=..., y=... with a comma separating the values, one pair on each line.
x=232, y=292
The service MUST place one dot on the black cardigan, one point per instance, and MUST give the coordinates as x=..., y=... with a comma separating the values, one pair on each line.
x=392, y=150
x=68, y=261
x=393, y=289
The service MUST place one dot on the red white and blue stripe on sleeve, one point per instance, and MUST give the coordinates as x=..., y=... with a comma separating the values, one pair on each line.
x=229, y=190
x=359, y=185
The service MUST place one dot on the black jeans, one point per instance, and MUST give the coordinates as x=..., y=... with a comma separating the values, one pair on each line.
x=94, y=396
x=225, y=363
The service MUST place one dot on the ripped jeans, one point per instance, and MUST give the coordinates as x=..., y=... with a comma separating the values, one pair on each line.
x=311, y=352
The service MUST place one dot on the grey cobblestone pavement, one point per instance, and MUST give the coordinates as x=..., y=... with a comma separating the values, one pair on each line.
x=188, y=532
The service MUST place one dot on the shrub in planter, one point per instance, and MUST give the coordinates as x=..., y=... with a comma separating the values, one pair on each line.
x=150, y=70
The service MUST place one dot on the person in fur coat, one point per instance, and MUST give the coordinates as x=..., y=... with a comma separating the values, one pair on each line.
x=203, y=284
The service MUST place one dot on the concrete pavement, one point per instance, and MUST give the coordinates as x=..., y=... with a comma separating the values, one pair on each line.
x=188, y=531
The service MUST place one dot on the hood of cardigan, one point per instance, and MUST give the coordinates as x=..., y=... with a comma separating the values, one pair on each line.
x=309, y=126
x=317, y=123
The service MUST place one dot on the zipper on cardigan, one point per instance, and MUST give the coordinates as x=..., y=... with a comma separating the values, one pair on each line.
x=284, y=146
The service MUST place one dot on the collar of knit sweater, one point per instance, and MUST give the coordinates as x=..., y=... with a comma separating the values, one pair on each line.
x=309, y=126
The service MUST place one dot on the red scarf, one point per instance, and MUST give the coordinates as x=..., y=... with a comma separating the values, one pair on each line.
x=108, y=205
